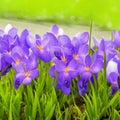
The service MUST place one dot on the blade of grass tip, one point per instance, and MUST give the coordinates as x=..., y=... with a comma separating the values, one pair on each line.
x=114, y=100
x=67, y=114
x=94, y=100
x=39, y=109
x=11, y=105
x=116, y=114
x=34, y=107
x=87, y=114
x=112, y=37
x=89, y=107
x=49, y=109
x=90, y=40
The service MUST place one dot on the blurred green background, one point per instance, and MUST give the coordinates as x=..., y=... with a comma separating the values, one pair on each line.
x=103, y=13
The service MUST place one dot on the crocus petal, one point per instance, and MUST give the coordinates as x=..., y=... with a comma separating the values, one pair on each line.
x=113, y=77
x=60, y=31
x=0, y=61
x=1, y=32
x=49, y=40
x=82, y=86
x=96, y=43
x=18, y=79
x=9, y=39
x=83, y=49
x=54, y=29
x=97, y=66
x=66, y=90
x=83, y=37
x=118, y=66
x=64, y=40
x=16, y=56
x=19, y=68
x=7, y=28
x=81, y=68
x=12, y=32
x=73, y=65
x=52, y=71
x=102, y=45
x=116, y=35
x=64, y=82
x=30, y=40
x=75, y=42
x=23, y=37
x=60, y=66
x=8, y=58
x=32, y=62
x=88, y=61
x=111, y=67
x=45, y=56
x=18, y=50
x=58, y=52
x=62, y=76
x=67, y=49
x=34, y=73
x=73, y=74
x=27, y=81
x=86, y=75
x=4, y=46
x=38, y=39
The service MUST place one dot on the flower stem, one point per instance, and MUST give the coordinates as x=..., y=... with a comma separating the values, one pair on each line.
x=91, y=23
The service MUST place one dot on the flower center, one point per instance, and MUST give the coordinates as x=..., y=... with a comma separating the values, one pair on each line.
x=115, y=82
x=87, y=69
x=67, y=69
x=40, y=47
x=75, y=56
x=56, y=35
x=27, y=74
x=17, y=61
x=64, y=59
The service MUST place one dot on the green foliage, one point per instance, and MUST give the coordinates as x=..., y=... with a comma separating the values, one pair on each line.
x=99, y=102
x=41, y=101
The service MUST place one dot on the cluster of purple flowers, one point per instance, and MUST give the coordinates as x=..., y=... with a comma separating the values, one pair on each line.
x=70, y=58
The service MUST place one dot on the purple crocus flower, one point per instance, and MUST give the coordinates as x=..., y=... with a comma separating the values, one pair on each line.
x=116, y=35
x=52, y=71
x=61, y=55
x=65, y=74
x=80, y=46
x=56, y=30
x=112, y=66
x=9, y=30
x=105, y=46
x=43, y=48
x=113, y=74
x=79, y=52
x=26, y=72
x=82, y=86
x=113, y=79
x=6, y=48
x=4, y=66
x=89, y=66
x=65, y=43
x=22, y=41
x=80, y=39
x=17, y=61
